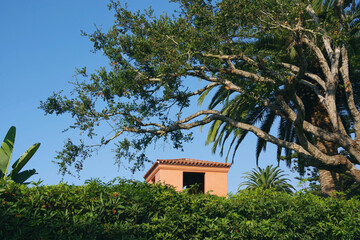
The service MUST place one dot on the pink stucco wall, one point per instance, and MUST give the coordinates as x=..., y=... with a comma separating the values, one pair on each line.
x=172, y=177
x=215, y=177
x=216, y=182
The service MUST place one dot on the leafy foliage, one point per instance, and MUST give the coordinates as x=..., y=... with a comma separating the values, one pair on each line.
x=258, y=61
x=251, y=113
x=5, y=157
x=125, y=209
x=268, y=178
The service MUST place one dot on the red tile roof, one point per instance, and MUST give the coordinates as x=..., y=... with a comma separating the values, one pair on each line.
x=192, y=162
x=187, y=162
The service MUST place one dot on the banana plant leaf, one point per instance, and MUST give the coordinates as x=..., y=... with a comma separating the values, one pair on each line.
x=23, y=176
x=20, y=163
x=6, y=151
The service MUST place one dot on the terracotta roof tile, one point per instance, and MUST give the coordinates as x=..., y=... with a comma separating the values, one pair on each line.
x=187, y=162
x=192, y=162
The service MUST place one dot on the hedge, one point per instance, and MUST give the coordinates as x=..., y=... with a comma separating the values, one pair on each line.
x=125, y=209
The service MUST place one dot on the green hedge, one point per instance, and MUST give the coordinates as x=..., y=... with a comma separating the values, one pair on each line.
x=135, y=210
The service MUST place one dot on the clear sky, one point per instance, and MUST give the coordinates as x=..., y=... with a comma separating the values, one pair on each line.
x=40, y=48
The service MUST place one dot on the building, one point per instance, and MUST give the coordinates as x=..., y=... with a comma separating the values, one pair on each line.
x=211, y=177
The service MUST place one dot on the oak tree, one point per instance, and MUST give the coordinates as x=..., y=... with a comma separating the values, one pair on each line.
x=290, y=60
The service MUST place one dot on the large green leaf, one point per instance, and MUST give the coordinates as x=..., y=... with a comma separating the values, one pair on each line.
x=23, y=176
x=20, y=163
x=6, y=150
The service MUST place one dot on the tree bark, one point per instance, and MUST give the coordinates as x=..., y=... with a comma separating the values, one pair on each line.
x=330, y=182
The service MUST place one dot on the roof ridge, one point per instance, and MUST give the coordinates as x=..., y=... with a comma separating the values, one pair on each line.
x=184, y=161
x=187, y=162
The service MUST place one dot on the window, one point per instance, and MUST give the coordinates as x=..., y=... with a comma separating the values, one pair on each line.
x=195, y=181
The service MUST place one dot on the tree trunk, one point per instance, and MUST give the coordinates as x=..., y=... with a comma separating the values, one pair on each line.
x=330, y=182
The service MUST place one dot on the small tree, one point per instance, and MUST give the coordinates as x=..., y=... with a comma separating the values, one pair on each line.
x=268, y=178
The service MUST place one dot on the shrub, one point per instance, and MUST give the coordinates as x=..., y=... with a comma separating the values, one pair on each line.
x=125, y=209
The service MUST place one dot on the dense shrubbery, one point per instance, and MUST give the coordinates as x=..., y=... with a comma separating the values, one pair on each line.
x=134, y=210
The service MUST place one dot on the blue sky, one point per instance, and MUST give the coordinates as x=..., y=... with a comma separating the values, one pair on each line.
x=40, y=48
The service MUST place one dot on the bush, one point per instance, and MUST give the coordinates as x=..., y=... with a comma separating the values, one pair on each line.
x=125, y=209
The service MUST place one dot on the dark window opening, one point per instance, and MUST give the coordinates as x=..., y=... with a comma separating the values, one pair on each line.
x=194, y=181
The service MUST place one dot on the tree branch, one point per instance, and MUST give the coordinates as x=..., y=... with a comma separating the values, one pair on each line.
x=331, y=86
x=312, y=13
x=344, y=70
x=322, y=60
x=240, y=56
x=296, y=69
x=231, y=86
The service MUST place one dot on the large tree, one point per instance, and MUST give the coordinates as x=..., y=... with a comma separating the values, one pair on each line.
x=220, y=131
x=284, y=59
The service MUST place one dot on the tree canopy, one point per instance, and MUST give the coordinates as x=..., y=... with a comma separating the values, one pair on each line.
x=298, y=60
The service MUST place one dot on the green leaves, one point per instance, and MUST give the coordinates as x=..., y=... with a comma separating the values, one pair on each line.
x=21, y=177
x=258, y=61
x=5, y=157
x=20, y=163
x=6, y=151
x=268, y=178
x=126, y=209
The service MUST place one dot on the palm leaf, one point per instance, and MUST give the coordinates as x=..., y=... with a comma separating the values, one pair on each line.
x=266, y=126
x=268, y=178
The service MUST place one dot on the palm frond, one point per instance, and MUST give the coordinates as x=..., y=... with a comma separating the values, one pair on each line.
x=266, y=126
x=268, y=178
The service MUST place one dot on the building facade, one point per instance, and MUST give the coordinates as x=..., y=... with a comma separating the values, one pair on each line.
x=209, y=177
